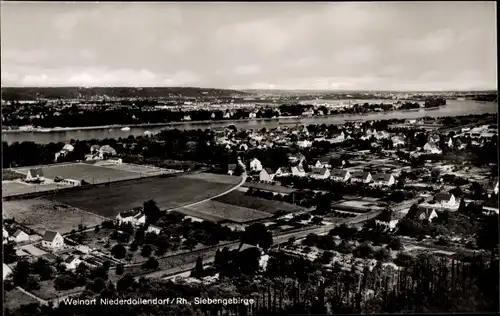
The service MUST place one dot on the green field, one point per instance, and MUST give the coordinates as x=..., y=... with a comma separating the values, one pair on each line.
x=217, y=211
x=212, y=177
x=118, y=197
x=269, y=187
x=11, y=175
x=240, y=199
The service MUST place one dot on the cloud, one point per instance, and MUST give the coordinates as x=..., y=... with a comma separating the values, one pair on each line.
x=433, y=42
x=24, y=56
x=247, y=70
x=64, y=24
x=101, y=77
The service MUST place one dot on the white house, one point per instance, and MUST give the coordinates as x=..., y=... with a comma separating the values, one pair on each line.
x=20, y=236
x=445, y=199
x=6, y=271
x=283, y=172
x=319, y=173
x=267, y=175
x=5, y=233
x=387, y=219
x=115, y=160
x=186, y=118
x=231, y=168
x=361, y=177
x=298, y=171
x=340, y=175
x=134, y=216
x=255, y=165
x=72, y=262
x=304, y=143
x=252, y=115
x=432, y=148
x=34, y=174
x=106, y=150
x=52, y=240
x=71, y=182
x=153, y=229
x=383, y=179
x=425, y=213
x=397, y=141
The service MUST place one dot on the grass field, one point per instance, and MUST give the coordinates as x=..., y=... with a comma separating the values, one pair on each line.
x=118, y=197
x=268, y=187
x=217, y=178
x=14, y=299
x=357, y=206
x=15, y=188
x=42, y=215
x=240, y=199
x=217, y=211
x=87, y=172
x=11, y=175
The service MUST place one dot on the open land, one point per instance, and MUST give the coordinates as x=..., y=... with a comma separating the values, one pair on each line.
x=13, y=299
x=118, y=197
x=212, y=177
x=217, y=211
x=240, y=199
x=82, y=171
x=42, y=215
x=8, y=174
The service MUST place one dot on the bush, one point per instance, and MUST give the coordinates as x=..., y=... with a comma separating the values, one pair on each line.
x=118, y=251
x=395, y=244
x=146, y=251
x=151, y=264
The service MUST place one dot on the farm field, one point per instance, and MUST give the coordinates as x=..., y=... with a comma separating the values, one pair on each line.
x=268, y=187
x=48, y=292
x=13, y=299
x=118, y=197
x=83, y=171
x=42, y=215
x=17, y=187
x=240, y=199
x=212, y=177
x=211, y=210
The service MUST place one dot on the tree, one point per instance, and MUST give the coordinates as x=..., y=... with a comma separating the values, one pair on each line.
x=395, y=244
x=364, y=251
x=487, y=236
x=462, y=206
x=327, y=257
x=412, y=212
x=152, y=212
x=198, y=270
x=43, y=269
x=9, y=253
x=97, y=229
x=151, y=264
x=382, y=255
x=20, y=272
x=146, y=251
x=257, y=234
x=97, y=285
x=124, y=283
x=119, y=269
x=118, y=251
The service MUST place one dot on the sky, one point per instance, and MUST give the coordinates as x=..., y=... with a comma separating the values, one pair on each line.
x=241, y=45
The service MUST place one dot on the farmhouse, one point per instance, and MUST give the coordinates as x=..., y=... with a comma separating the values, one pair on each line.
x=340, y=175
x=267, y=175
x=432, y=148
x=361, y=177
x=255, y=165
x=20, y=236
x=106, y=151
x=298, y=171
x=52, y=239
x=425, y=213
x=283, y=172
x=319, y=173
x=115, y=160
x=445, y=199
x=134, y=216
x=6, y=271
x=153, y=229
x=383, y=179
x=72, y=262
x=388, y=219
x=34, y=174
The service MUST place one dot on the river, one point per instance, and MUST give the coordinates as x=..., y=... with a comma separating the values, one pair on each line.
x=452, y=108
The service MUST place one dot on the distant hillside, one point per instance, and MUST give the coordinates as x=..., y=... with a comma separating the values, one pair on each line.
x=15, y=93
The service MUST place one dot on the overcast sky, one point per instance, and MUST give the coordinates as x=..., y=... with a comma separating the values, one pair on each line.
x=351, y=46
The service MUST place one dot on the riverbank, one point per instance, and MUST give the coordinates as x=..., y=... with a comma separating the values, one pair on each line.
x=142, y=125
